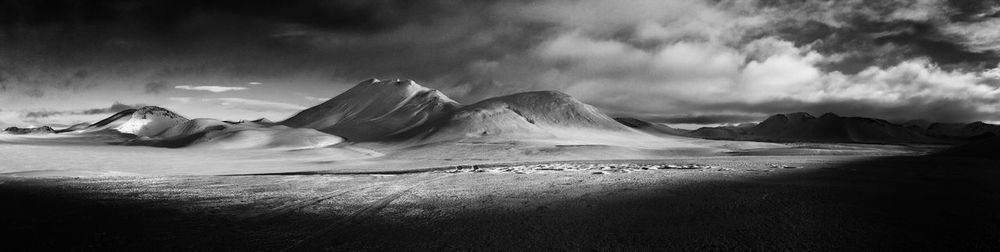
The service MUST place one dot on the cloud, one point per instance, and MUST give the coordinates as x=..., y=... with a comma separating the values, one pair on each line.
x=255, y=83
x=649, y=57
x=254, y=105
x=213, y=89
x=316, y=99
x=156, y=87
x=181, y=99
x=713, y=58
x=7, y=118
x=114, y=108
x=981, y=36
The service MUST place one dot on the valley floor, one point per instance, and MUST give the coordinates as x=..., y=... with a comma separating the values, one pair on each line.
x=768, y=203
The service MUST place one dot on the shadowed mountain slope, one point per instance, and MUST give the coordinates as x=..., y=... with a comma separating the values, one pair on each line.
x=374, y=110
x=803, y=127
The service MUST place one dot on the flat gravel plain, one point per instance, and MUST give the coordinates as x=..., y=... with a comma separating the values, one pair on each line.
x=721, y=203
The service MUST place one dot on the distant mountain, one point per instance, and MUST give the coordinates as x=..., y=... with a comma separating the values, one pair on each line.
x=651, y=127
x=957, y=131
x=375, y=109
x=109, y=123
x=803, y=127
x=149, y=121
x=530, y=115
x=29, y=131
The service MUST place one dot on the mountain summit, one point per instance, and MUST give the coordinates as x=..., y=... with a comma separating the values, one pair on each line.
x=375, y=109
x=150, y=121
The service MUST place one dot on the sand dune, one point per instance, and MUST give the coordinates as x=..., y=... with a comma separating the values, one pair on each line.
x=269, y=137
x=215, y=134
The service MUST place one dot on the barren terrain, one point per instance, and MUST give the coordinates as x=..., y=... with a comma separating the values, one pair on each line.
x=829, y=202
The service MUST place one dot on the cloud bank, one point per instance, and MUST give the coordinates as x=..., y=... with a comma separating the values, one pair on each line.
x=213, y=89
x=926, y=59
x=254, y=105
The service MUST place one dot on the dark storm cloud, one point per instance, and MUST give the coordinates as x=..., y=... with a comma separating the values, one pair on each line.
x=636, y=56
x=352, y=39
x=973, y=10
x=170, y=16
x=871, y=38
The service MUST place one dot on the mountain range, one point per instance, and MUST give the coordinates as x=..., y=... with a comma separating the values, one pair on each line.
x=404, y=111
x=829, y=127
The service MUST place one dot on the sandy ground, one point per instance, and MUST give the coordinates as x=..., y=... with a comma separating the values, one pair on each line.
x=767, y=203
x=91, y=155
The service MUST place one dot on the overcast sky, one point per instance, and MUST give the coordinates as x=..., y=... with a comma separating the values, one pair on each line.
x=680, y=61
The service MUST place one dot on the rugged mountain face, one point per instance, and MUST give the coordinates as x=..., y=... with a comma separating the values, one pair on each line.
x=149, y=121
x=803, y=127
x=375, y=109
x=27, y=131
x=523, y=115
x=650, y=127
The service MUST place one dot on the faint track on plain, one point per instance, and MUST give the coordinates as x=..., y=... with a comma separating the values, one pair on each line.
x=296, y=205
x=315, y=243
x=300, y=204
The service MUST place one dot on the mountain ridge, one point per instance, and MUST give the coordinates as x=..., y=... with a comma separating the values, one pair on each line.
x=374, y=110
x=830, y=127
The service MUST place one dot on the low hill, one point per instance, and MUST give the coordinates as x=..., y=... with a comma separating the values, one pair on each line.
x=542, y=114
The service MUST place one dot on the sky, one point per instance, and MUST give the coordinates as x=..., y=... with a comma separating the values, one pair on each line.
x=672, y=61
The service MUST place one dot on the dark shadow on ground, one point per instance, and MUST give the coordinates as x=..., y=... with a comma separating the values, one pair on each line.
x=896, y=203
